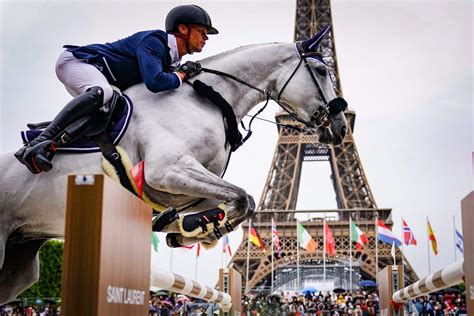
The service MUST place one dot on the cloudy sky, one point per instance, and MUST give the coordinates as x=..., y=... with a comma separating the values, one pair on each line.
x=405, y=67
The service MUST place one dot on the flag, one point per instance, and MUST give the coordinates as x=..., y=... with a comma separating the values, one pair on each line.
x=358, y=236
x=392, y=252
x=434, y=244
x=255, y=238
x=385, y=234
x=304, y=239
x=155, y=241
x=408, y=237
x=329, y=240
x=276, y=239
x=459, y=241
x=198, y=249
x=138, y=174
x=226, y=245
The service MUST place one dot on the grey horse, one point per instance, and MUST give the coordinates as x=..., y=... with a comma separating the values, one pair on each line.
x=181, y=138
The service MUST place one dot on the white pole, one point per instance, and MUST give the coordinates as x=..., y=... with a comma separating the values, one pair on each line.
x=324, y=251
x=223, y=255
x=376, y=248
x=273, y=254
x=394, y=254
x=248, y=259
x=179, y=284
x=451, y=275
x=350, y=253
x=428, y=245
x=297, y=259
x=402, y=249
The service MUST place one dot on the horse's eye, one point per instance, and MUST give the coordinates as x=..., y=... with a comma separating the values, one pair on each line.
x=321, y=71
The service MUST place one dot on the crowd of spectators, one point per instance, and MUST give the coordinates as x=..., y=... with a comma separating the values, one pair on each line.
x=318, y=303
x=359, y=303
x=441, y=304
x=18, y=308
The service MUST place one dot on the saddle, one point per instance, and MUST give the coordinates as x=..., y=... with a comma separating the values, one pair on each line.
x=80, y=136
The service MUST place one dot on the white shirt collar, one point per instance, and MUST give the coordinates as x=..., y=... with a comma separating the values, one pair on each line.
x=175, y=60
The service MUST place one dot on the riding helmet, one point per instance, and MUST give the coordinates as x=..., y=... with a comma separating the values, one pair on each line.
x=188, y=14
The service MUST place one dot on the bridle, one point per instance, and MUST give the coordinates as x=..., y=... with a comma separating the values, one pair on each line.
x=320, y=117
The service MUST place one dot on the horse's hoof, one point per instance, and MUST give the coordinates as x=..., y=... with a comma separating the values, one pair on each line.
x=174, y=240
x=164, y=219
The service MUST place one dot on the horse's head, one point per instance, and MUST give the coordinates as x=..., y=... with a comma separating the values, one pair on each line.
x=308, y=90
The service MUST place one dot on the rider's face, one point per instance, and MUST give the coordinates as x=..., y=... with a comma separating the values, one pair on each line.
x=197, y=38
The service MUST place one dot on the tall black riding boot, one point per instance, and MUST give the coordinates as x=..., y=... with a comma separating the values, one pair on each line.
x=37, y=154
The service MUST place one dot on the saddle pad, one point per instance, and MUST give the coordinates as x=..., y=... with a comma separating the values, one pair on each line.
x=89, y=145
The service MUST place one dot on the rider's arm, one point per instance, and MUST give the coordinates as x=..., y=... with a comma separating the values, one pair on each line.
x=150, y=55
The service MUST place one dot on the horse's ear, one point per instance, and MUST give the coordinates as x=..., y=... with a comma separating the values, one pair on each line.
x=310, y=45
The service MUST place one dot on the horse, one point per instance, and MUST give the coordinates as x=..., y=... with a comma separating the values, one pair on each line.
x=181, y=137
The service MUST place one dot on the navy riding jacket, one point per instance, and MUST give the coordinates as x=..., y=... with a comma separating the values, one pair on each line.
x=141, y=57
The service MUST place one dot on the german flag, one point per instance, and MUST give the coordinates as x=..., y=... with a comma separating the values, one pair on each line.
x=255, y=238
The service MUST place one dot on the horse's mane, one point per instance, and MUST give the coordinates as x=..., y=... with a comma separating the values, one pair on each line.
x=236, y=50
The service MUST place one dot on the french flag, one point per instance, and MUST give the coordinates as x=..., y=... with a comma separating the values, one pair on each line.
x=386, y=235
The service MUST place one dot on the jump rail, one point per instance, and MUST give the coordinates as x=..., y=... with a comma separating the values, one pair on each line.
x=444, y=278
x=174, y=282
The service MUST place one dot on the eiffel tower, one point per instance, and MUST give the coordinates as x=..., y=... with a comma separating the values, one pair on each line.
x=353, y=195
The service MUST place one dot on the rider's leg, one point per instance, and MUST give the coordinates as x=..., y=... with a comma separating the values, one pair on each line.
x=91, y=91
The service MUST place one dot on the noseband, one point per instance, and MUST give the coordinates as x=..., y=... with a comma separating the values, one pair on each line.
x=320, y=116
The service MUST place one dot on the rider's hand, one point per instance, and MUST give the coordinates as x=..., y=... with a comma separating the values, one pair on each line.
x=190, y=69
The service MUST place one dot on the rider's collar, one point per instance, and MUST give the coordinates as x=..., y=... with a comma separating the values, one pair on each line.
x=173, y=46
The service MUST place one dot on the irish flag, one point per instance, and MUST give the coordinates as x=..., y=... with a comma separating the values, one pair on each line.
x=358, y=236
x=304, y=239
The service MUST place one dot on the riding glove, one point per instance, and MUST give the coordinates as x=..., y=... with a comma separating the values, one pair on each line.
x=190, y=69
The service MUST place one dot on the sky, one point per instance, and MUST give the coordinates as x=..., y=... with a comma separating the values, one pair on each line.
x=405, y=68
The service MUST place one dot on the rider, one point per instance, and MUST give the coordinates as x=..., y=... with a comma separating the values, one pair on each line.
x=152, y=57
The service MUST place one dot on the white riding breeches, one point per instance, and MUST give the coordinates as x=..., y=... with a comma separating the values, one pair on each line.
x=78, y=76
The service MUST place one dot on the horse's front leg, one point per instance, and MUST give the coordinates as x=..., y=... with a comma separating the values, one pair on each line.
x=188, y=176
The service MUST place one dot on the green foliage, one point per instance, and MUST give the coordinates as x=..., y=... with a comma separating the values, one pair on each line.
x=49, y=283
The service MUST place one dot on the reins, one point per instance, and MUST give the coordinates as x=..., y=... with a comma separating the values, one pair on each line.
x=269, y=95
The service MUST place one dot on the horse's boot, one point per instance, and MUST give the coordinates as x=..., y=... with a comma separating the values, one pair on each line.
x=200, y=223
x=37, y=154
x=165, y=218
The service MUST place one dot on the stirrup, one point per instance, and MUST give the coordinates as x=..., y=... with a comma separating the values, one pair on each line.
x=37, y=158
